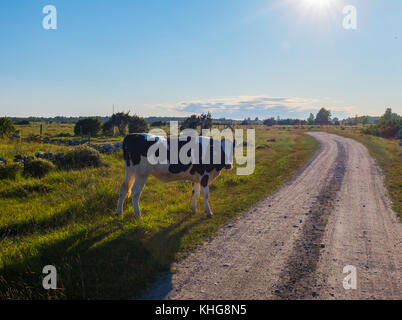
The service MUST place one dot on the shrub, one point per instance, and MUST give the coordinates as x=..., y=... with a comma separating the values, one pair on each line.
x=389, y=126
x=388, y=129
x=9, y=171
x=108, y=128
x=38, y=168
x=137, y=124
x=89, y=126
x=81, y=157
x=6, y=127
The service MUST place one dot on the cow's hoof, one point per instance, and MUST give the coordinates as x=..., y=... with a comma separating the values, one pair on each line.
x=210, y=215
x=137, y=216
x=118, y=214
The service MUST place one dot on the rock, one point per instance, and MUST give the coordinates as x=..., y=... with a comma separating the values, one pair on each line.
x=322, y=246
x=49, y=156
x=314, y=294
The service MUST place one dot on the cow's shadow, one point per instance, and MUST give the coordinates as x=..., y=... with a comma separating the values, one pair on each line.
x=103, y=262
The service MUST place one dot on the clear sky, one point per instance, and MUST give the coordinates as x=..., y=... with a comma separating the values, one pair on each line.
x=235, y=58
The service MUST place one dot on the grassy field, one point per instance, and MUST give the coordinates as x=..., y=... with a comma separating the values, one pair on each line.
x=388, y=155
x=66, y=219
x=53, y=129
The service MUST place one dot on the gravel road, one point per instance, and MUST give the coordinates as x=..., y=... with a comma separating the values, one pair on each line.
x=296, y=243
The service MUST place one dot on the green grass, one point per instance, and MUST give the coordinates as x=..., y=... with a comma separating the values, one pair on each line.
x=67, y=219
x=388, y=155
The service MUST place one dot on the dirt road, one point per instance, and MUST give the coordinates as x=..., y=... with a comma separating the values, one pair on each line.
x=296, y=243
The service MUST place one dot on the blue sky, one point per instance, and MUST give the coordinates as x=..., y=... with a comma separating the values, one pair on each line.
x=235, y=58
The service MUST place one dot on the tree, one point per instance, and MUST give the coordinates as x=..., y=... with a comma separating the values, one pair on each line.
x=108, y=128
x=121, y=121
x=323, y=117
x=137, y=124
x=206, y=121
x=270, y=122
x=190, y=123
x=310, y=119
x=88, y=126
x=6, y=127
x=336, y=122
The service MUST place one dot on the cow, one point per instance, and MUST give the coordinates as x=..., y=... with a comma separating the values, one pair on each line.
x=202, y=172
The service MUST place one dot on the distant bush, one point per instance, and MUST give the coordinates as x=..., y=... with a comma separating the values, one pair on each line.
x=6, y=127
x=158, y=123
x=22, y=122
x=88, y=126
x=9, y=171
x=81, y=157
x=38, y=168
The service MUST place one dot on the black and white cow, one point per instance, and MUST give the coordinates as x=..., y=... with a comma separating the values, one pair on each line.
x=202, y=172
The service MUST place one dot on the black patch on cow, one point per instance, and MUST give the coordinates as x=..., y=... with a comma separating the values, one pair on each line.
x=204, y=181
x=135, y=146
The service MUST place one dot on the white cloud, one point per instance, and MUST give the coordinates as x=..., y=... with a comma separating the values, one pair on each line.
x=261, y=106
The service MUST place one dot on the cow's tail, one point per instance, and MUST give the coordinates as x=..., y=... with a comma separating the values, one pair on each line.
x=126, y=154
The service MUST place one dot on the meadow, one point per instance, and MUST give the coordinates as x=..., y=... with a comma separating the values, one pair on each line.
x=66, y=219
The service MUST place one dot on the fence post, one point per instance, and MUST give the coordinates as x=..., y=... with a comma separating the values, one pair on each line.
x=41, y=128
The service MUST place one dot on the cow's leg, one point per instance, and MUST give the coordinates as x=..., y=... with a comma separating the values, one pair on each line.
x=125, y=189
x=139, y=184
x=205, y=194
x=196, y=193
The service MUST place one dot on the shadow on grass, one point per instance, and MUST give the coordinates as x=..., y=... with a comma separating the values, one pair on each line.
x=102, y=263
x=78, y=212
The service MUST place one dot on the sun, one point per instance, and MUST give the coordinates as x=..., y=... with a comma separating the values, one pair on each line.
x=317, y=3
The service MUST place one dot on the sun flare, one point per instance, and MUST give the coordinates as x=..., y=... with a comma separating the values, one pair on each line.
x=317, y=3
x=318, y=8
